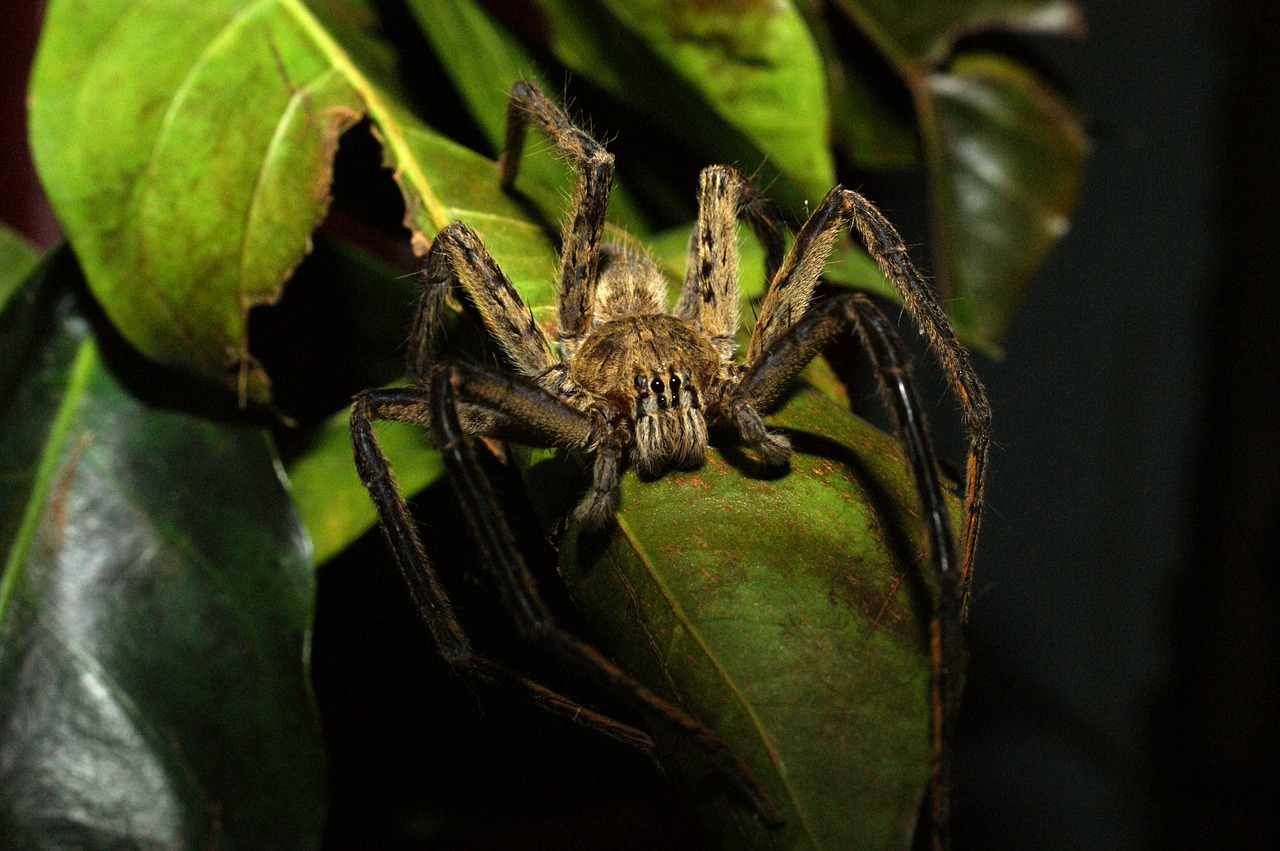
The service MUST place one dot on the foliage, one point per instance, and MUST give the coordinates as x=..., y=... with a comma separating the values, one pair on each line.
x=154, y=609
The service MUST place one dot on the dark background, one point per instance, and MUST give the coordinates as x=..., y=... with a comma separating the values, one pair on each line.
x=1125, y=652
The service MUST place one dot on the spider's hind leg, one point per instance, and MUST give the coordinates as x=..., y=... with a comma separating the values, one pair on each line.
x=456, y=385
x=410, y=404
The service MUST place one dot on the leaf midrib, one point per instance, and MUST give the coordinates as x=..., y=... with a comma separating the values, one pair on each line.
x=86, y=358
x=723, y=675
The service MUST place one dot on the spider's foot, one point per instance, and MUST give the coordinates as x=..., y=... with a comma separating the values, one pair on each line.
x=774, y=449
x=595, y=510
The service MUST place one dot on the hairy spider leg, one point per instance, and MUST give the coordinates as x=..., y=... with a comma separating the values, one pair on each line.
x=764, y=382
x=709, y=297
x=455, y=384
x=457, y=258
x=409, y=404
x=583, y=230
x=788, y=299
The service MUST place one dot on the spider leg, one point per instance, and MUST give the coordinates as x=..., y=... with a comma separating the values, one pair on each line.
x=457, y=257
x=409, y=404
x=451, y=386
x=580, y=249
x=709, y=297
x=764, y=382
x=788, y=300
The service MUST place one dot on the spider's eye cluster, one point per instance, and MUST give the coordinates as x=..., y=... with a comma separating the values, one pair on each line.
x=653, y=390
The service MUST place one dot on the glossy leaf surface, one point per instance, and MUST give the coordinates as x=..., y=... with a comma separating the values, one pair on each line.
x=154, y=610
x=920, y=35
x=1005, y=153
x=1012, y=156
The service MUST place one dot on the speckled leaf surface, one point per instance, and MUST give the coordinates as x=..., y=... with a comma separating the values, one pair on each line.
x=783, y=611
x=154, y=611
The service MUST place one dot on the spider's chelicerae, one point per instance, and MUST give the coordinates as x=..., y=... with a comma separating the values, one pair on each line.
x=626, y=381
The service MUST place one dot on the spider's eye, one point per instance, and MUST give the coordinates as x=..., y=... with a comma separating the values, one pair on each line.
x=656, y=385
x=675, y=385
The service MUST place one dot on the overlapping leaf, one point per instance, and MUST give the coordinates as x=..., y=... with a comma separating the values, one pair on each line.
x=1011, y=156
x=155, y=610
x=191, y=194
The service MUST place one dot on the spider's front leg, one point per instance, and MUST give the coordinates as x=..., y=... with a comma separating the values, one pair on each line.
x=709, y=297
x=583, y=230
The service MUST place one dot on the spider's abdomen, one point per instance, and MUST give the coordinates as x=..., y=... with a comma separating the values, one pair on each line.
x=654, y=370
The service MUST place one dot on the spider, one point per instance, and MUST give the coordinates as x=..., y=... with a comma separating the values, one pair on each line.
x=626, y=381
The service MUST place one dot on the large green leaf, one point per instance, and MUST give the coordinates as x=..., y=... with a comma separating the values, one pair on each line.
x=190, y=193
x=784, y=611
x=154, y=609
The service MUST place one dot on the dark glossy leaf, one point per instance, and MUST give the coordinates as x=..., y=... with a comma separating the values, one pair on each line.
x=154, y=612
x=1005, y=154
x=1010, y=161
x=783, y=611
x=917, y=36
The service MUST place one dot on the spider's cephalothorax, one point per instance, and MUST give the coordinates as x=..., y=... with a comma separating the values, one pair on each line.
x=626, y=381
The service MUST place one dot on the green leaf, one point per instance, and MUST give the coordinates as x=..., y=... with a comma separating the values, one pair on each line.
x=742, y=81
x=189, y=192
x=917, y=36
x=782, y=611
x=154, y=609
x=1008, y=159
x=17, y=260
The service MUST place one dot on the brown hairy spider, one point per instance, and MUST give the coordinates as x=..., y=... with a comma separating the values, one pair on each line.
x=625, y=381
